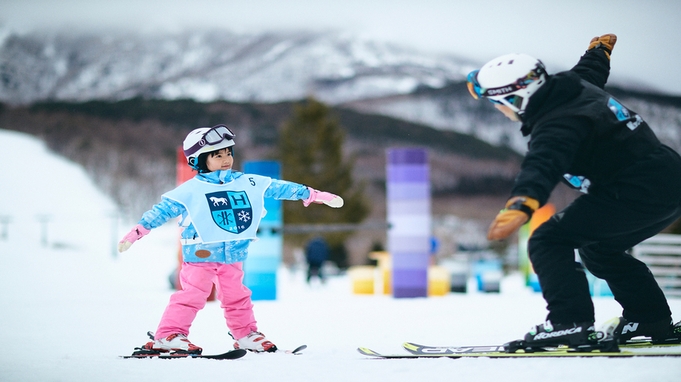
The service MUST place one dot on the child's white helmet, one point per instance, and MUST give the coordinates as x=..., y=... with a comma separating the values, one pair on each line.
x=510, y=80
x=205, y=140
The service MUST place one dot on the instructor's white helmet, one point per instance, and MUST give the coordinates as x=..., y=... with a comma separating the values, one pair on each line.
x=510, y=80
x=205, y=140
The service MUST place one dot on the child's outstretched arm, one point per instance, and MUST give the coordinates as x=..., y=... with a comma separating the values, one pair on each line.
x=283, y=189
x=323, y=197
x=155, y=217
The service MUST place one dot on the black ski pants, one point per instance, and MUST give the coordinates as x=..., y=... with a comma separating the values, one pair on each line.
x=603, y=226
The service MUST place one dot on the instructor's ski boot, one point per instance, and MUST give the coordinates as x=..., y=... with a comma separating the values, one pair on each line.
x=255, y=342
x=578, y=336
x=662, y=331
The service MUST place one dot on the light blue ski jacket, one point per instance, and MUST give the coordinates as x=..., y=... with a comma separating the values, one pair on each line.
x=223, y=252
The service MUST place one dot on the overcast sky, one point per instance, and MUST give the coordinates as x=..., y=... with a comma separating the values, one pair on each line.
x=648, y=51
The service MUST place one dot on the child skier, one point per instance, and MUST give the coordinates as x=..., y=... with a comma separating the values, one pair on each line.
x=221, y=210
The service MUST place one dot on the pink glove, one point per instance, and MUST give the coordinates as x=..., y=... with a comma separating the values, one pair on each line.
x=320, y=197
x=135, y=234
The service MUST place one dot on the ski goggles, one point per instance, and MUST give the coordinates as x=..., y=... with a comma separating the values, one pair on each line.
x=213, y=136
x=478, y=91
x=474, y=87
x=217, y=134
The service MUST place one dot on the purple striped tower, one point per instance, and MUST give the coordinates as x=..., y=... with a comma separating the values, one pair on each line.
x=409, y=218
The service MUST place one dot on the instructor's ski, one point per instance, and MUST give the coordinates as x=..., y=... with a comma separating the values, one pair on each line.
x=478, y=353
x=514, y=346
x=518, y=349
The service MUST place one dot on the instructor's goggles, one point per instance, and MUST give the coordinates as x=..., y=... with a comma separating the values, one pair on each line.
x=478, y=91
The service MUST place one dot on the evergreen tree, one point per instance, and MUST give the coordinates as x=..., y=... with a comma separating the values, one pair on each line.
x=311, y=152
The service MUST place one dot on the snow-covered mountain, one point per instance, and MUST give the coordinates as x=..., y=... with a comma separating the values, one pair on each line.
x=336, y=68
x=212, y=65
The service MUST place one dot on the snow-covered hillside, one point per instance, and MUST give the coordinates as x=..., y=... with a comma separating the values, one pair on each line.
x=69, y=307
x=336, y=68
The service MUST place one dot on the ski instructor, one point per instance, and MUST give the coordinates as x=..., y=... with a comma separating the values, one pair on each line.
x=631, y=186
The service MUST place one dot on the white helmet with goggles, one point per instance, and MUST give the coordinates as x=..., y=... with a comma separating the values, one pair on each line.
x=205, y=140
x=509, y=80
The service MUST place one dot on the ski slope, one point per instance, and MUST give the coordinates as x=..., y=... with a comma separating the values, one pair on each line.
x=69, y=306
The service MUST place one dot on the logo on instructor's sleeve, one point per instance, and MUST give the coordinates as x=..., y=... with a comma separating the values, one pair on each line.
x=623, y=114
x=231, y=210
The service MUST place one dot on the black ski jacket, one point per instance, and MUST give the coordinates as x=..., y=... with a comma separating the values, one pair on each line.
x=578, y=130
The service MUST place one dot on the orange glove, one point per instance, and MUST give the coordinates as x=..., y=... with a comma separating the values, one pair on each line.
x=518, y=211
x=605, y=42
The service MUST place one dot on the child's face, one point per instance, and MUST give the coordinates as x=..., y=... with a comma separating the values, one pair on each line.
x=222, y=160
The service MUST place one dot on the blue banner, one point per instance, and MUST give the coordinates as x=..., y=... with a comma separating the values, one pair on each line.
x=264, y=254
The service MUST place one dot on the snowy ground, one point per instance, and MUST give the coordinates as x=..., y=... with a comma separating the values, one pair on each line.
x=69, y=307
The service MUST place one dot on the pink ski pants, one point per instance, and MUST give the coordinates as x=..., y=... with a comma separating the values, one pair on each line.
x=197, y=281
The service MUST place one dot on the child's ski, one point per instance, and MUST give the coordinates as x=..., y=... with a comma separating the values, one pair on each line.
x=232, y=354
x=296, y=351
